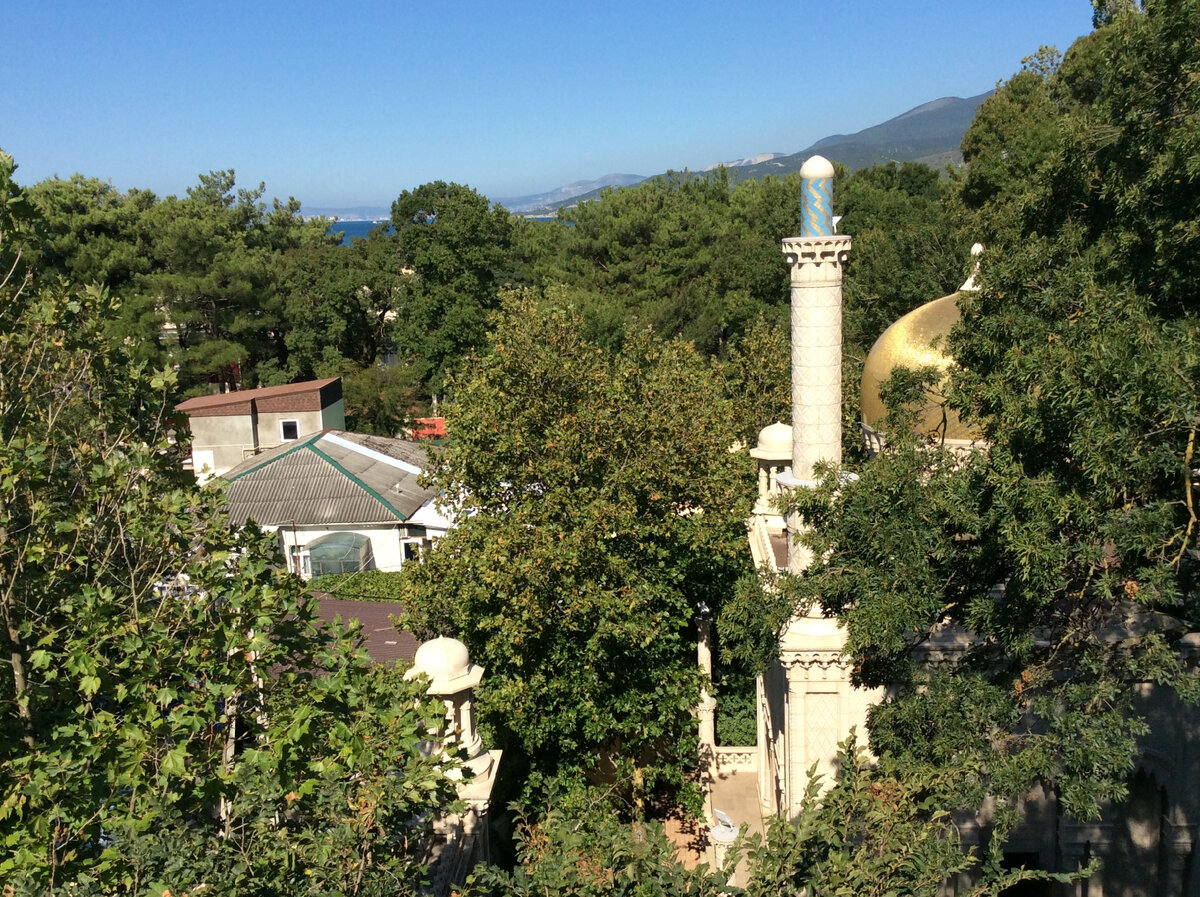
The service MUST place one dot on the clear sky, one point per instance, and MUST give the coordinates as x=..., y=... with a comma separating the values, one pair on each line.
x=343, y=104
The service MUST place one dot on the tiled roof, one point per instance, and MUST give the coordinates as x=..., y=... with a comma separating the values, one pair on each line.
x=329, y=478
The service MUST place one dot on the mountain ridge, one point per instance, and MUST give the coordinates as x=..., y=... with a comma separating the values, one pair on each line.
x=930, y=132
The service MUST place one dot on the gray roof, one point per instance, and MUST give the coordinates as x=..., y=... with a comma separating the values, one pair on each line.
x=329, y=478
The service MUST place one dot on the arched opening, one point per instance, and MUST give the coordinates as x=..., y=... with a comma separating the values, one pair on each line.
x=340, y=553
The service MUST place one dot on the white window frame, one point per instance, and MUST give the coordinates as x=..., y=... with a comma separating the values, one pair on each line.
x=419, y=543
x=282, y=436
x=298, y=561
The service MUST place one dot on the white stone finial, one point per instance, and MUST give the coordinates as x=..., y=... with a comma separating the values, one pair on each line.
x=442, y=659
x=452, y=678
x=969, y=283
x=774, y=443
x=816, y=167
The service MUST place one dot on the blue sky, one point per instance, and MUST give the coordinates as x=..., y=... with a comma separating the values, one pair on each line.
x=343, y=104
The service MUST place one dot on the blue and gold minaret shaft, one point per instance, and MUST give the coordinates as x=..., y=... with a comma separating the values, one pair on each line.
x=816, y=202
x=815, y=259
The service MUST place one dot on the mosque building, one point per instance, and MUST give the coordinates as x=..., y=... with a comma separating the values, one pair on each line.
x=807, y=703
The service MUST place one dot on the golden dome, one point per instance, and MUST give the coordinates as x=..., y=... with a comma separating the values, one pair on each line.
x=916, y=340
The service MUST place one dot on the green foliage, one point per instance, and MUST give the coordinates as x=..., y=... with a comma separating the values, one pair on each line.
x=757, y=375
x=365, y=585
x=1060, y=565
x=338, y=302
x=907, y=250
x=198, y=277
x=584, y=848
x=456, y=244
x=736, y=690
x=381, y=398
x=877, y=831
x=1014, y=131
x=606, y=508
x=173, y=717
x=687, y=255
x=94, y=233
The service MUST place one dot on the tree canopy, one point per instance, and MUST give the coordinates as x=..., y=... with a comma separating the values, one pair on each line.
x=173, y=717
x=605, y=510
x=456, y=244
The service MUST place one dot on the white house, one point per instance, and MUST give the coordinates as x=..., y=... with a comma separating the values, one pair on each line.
x=340, y=502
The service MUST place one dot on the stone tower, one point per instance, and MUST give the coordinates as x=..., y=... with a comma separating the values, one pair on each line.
x=809, y=702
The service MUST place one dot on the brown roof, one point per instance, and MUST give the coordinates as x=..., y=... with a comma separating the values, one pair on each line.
x=310, y=395
x=384, y=643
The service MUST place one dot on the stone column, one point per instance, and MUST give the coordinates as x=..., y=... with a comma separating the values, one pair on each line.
x=815, y=259
x=461, y=837
x=706, y=711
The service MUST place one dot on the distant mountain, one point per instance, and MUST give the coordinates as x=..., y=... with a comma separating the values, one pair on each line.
x=746, y=162
x=930, y=133
x=546, y=203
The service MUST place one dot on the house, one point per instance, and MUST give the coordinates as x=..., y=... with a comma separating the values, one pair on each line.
x=230, y=427
x=340, y=502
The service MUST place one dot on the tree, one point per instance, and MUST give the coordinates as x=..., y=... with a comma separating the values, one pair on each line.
x=1013, y=132
x=173, y=717
x=198, y=277
x=339, y=304
x=1078, y=358
x=94, y=233
x=581, y=847
x=456, y=244
x=212, y=282
x=879, y=830
x=606, y=508
x=907, y=250
x=688, y=255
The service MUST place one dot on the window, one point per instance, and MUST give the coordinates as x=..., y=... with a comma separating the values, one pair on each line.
x=412, y=550
x=340, y=553
x=289, y=430
x=300, y=564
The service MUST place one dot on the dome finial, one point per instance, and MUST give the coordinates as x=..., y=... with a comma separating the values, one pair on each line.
x=969, y=283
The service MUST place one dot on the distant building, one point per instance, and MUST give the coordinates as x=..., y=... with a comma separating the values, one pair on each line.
x=428, y=428
x=340, y=502
x=233, y=426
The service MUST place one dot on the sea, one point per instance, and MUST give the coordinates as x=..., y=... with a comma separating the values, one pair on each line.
x=353, y=230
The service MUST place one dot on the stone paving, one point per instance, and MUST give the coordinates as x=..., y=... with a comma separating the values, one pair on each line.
x=734, y=793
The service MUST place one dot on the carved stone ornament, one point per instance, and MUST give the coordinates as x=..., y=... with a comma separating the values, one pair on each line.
x=816, y=259
x=810, y=661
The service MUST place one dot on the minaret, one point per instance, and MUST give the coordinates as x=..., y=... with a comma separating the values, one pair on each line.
x=808, y=702
x=815, y=258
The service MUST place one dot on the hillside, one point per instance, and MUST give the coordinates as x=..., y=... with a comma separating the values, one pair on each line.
x=929, y=133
